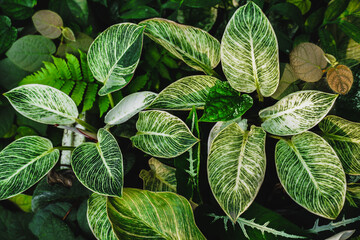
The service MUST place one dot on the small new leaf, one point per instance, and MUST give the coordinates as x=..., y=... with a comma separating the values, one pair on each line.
x=340, y=79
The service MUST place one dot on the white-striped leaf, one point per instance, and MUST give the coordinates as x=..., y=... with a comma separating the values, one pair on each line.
x=97, y=218
x=194, y=46
x=311, y=174
x=115, y=54
x=185, y=93
x=249, y=52
x=160, y=177
x=297, y=112
x=23, y=163
x=43, y=104
x=344, y=137
x=236, y=167
x=161, y=134
x=128, y=107
x=99, y=166
x=142, y=214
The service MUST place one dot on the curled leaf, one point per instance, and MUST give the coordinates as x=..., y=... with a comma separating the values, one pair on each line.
x=340, y=79
x=48, y=23
x=68, y=34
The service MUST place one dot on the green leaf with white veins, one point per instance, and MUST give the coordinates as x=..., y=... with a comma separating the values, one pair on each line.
x=114, y=56
x=24, y=162
x=43, y=104
x=249, y=52
x=311, y=174
x=99, y=166
x=236, y=167
x=297, y=112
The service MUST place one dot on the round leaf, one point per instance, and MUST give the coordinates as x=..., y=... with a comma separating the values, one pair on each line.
x=340, y=79
x=8, y=33
x=48, y=23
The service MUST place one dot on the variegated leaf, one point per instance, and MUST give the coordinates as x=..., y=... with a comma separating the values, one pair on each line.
x=23, y=163
x=99, y=166
x=97, y=218
x=185, y=93
x=311, y=174
x=115, y=54
x=236, y=167
x=297, y=112
x=142, y=214
x=344, y=137
x=249, y=52
x=128, y=107
x=161, y=134
x=194, y=46
x=160, y=177
x=43, y=104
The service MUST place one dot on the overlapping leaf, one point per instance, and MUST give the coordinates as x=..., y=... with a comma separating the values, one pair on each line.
x=236, y=167
x=48, y=23
x=311, y=174
x=249, y=52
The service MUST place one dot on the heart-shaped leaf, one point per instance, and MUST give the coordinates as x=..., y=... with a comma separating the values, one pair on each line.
x=161, y=134
x=141, y=214
x=24, y=162
x=311, y=174
x=236, y=167
x=249, y=52
x=43, y=104
x=99, y=166
x=340, y=79
x=48, y=23
x=114, y=56
x=297, y=112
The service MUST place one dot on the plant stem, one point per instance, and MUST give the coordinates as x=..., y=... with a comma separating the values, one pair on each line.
x=86, y=125
x=65, y=148
x=261, y=98
x=111, y=100
x=275, y=137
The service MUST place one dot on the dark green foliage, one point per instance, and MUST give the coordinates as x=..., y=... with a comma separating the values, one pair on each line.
x=18, y=9
x=8, y=33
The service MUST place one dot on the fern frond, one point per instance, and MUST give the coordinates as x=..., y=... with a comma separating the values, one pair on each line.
x=78, y=92
x=67, y=87
x=74, y=66
x=332, y=225
x=90, y=96
x=62, y=67
x=104, y=104
x=85, y=68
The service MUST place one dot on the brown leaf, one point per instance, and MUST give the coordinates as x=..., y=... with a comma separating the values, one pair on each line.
x=307, y=60
x=48, y=23
x=340, y=79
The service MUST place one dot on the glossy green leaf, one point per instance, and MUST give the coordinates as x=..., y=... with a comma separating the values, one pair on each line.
x=334, y=9
x=18, y=9
x=141, y=214
x=303, y=5
x=8, y=34
x=43, y=104
x=194, y=46
x=24, y=162
x=249, y=52
x=114, y=56
x=297, y=112
x=23, y=201
x=236, y=168
x=350, y=29
x=74, y=11
x=344, y=137
x=311, y=174
x=223, y=103
x=97, y=217
x=289, y=11
x=48, y=23
x=185, y=93
x=99, y=166
x=161, y=134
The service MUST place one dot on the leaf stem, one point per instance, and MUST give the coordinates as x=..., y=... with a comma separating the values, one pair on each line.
x=111, y=100
x=65, y=148
x=86, y=125
x=275, y=137
x=261, y=97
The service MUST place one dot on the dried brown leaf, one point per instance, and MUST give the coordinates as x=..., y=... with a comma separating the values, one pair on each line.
x=48, y=23
x=340, y=79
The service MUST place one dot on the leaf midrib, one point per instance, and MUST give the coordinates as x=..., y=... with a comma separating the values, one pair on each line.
x=341, y=138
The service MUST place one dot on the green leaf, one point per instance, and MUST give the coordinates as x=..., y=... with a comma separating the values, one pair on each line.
x=327, y=41
x=249, y=52
x=48, y=23
x=334, y=9
x=114, y=56
x=223, y=103
x=23, y=201
x=199, y=3
x=140, y=12
x=297, y=112
x=31, y=51
x=99, y=166
x=128, y=107
x=98, y=219
x=289, y=11
x=43, y=104
x=8, y=34
x=68, y=34
x=303, y=5
x=90, y=96
x=185, y=93
x=344, y=137
x=351, y=30
x=11, y=74
x=104, y=104
x=194, y=46
x=71, y=10
x=18, y=9
x=140, y=214
x=311, y=174
x=314, y=20
x=7, y=115
x=24, y=162
x=161, y=134
x=236, y=167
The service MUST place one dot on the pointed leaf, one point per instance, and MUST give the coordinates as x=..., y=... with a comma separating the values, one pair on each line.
x=297, y=112
x=23, y=163
x=185, y=93
x=194, y=46
x=114, y=56
x=99, y=166
x=311, y=174
x=141, y=214
x=340, y=79
x=236, y=168
x=249, y=52
x=128, y=107
x=43, y=104
x=48, y=23
x=161, y=134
